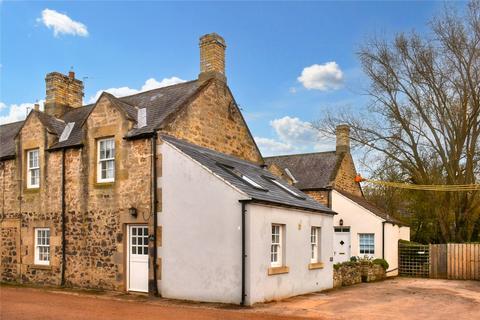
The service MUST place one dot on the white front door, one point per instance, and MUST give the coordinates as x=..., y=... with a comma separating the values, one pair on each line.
x=341, y=245
x=138, y=258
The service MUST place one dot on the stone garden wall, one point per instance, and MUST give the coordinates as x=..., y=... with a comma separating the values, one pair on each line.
x=350, y=273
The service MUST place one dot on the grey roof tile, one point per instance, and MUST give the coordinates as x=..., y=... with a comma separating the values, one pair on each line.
x=8, y=132
x=311, y=170
x=272, y=193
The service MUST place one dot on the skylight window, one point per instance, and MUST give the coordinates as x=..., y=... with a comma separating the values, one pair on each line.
x=290, y=175
x=141, y=118
x=250, y=181
x=66, y=131
x=284, y=188
x=235, y=172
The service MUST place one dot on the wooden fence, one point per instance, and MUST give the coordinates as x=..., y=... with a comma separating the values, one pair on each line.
x=459, y=261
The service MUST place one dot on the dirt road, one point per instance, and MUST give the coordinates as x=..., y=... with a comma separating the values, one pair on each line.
x=28, y=303
x=395, y=299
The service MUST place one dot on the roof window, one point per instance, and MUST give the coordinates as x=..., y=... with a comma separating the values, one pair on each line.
x=66, y=131
x=284, y=188
x=235, y=172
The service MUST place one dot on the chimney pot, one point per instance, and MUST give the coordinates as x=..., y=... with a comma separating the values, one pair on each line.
x=342, y=132
x=71, y=74
x=212, y=57
x=36, y=107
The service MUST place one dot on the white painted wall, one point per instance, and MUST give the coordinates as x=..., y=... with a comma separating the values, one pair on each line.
x=201, y=232
x=201, y=240
x=393, y=233
x=299, y=280
x=359, y=219
x=362, y=220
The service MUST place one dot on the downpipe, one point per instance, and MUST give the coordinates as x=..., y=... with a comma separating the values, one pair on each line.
x=154, y=212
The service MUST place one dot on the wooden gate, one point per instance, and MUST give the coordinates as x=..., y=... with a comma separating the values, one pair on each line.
x=438, y=261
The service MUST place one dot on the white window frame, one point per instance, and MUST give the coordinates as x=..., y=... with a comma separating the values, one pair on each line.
x=42, y=244
x=33, y=169
x=276, y=247
x=315, y=233
x=371, y=252
x=101, y=161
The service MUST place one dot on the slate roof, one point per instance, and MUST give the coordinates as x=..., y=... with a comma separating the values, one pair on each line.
x=160, y=104
x=361, y=201
x=311, y=170
x=7, y=139
x=53, y=124
x=272, y=194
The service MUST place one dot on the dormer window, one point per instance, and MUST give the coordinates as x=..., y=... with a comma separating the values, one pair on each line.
x=33, y=169
x=106, y=160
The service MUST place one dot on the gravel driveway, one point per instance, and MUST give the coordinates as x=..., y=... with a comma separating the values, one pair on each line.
x=398, y=299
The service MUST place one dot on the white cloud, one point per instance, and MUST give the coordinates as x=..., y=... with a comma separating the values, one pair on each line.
x=16, y=112
x=322, y=77
x=293, y=135
x=150, y=84
x=271, y=146
x=62, y=24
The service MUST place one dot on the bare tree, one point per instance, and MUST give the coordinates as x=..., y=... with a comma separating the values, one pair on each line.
x=424, y=115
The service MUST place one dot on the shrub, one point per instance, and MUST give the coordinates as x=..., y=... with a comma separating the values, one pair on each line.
x=353, y=259
x=381, y=262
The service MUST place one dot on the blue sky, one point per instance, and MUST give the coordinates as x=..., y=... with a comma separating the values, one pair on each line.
x=115, y=45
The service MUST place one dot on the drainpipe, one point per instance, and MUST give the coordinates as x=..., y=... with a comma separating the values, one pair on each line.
x=383, y=239
x=64, y=245
x=154, y=210
x=244, y=256
x=2, y=166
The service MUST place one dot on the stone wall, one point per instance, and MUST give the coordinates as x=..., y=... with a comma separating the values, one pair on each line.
x=345, y=179
x=350, y=273
x=96, y=214
x=213, y=120
x=321, y=196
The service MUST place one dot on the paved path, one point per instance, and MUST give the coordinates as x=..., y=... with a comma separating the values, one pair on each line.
x=395, y=299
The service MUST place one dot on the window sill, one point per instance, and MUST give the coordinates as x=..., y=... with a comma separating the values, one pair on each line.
x=104, y=185
x=278, y=270
x=316, y=265
x=41, y=266
x=31, y=190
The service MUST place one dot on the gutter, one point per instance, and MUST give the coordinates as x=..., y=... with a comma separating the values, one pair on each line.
x=154, y=211
x=64, y=245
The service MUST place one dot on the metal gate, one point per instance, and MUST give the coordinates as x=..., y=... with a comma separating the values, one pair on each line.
x=413, y=260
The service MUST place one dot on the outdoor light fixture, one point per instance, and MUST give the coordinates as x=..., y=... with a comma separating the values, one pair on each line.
x=341, y=222
x=133, y=212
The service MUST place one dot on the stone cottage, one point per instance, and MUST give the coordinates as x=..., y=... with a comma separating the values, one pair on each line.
x=361, y=228
x=164, y=192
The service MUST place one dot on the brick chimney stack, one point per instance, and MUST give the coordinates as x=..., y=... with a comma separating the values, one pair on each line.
x=63, y=93
x=342, y=132
x=212, y=57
